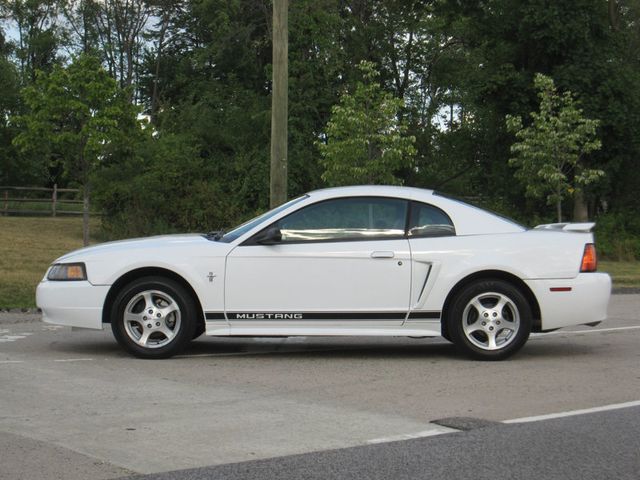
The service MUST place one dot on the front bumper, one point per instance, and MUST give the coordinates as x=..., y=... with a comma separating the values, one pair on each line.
x=74, y=304
x=586, y=302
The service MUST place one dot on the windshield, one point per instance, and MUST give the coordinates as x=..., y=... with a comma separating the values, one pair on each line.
x=246, y=226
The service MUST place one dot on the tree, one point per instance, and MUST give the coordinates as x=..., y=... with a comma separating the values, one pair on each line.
x=38, y=34
x=81, y=24
x=10, y=171
x=549, y=153
x=366, y=142
x=77, y=116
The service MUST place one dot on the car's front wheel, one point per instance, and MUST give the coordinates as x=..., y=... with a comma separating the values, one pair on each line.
x=489, y=320
x=153, y=317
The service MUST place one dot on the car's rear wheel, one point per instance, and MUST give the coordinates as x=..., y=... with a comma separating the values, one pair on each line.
x=489, y=320
x=153, y=317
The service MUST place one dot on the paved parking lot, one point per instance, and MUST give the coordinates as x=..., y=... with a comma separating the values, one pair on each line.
x=73, y=405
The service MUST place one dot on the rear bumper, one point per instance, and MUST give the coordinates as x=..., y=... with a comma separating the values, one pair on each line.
x=74, y=304
x=586, y=302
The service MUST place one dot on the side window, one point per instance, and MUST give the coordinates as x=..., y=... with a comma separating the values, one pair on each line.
x=429, y=221
x=356, y=218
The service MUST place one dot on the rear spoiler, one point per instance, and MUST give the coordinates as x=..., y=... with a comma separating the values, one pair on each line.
x=568, y=227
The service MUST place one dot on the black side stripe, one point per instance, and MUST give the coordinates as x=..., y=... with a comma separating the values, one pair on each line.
x=320, y=315
x=424, y=315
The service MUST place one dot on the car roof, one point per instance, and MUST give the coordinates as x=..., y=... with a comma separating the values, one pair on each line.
x=374, y=190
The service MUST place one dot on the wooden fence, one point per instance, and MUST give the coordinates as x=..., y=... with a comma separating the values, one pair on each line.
x=53, y=201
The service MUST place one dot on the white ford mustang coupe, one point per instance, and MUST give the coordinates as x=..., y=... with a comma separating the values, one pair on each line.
x=366, y=260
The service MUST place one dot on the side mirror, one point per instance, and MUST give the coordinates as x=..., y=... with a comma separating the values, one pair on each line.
x=271, y=236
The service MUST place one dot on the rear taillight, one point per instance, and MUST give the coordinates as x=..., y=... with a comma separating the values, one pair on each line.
x=589, y=259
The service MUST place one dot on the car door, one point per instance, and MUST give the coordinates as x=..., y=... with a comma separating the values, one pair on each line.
x=340, y=263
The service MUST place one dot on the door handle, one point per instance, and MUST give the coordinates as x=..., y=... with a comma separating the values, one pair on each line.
x=382, y=254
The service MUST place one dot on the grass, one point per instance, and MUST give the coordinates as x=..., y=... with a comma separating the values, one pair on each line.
x=29, y=245
x=624, y=274
x=27, y=248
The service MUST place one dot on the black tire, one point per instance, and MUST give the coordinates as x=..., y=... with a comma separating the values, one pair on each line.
x=488, y=309
x=199, y=330
x=161, y=317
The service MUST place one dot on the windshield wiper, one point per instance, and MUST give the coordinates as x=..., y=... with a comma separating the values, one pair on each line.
x=216, y=235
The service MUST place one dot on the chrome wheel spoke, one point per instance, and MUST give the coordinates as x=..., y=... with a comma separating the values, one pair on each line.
x=148, y=300
x=168, y=310
x=144, y=338
x=152, y=319
x=167, y=332
x=502, y=302
x=499, y=324
x=133, y=317
x=491, y=343
x=475, y=303
x=473, y=327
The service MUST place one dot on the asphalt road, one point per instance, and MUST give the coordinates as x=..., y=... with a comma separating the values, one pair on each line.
x=586, y=447
x=73, y=405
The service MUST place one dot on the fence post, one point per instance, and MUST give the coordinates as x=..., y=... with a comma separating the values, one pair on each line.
x=54, y=199
x=6, y=202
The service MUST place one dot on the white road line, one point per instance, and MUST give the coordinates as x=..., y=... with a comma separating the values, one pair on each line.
x=436, y=430
x=6, y=337
x=570, y=413
x=75, y=360
x=576, y=332
x=11, y=361
x=440, y=430
x=11, y=338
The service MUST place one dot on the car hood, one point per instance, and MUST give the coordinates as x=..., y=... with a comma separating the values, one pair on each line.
x=185, y=241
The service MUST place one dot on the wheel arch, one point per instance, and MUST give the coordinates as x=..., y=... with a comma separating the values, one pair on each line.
x=498, y=275
x=145, y=272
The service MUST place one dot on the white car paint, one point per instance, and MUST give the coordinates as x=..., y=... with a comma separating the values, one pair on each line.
x=410, y=278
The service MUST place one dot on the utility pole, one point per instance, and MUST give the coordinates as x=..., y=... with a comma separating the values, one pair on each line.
x=279, y=101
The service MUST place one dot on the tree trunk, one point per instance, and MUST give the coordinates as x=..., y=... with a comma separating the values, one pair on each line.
x=559, y=210
x=279, y=100
x=85, y=214
x=614, y=16
x=154, y=95
x=580, y=210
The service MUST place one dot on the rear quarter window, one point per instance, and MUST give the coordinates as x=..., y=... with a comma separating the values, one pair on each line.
x=429, y=221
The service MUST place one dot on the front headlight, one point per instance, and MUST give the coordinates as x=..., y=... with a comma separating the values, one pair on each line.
x=67, y=271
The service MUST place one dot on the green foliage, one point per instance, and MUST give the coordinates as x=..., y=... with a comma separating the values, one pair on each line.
x=39, y=35
x=77, y=117
x=618, y=236
x=548, y=152
x=366, y=141
x=11, y=170
x=165, y=187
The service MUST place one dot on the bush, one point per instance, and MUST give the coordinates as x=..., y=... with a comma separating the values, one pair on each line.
x=618, y=236
x=168, y=187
